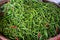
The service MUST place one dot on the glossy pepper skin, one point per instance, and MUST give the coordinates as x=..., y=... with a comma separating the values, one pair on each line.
x=55, y=38
x=56, y=2
x=3, y=38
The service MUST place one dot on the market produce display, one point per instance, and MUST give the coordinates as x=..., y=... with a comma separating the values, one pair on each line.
x=29, y=20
